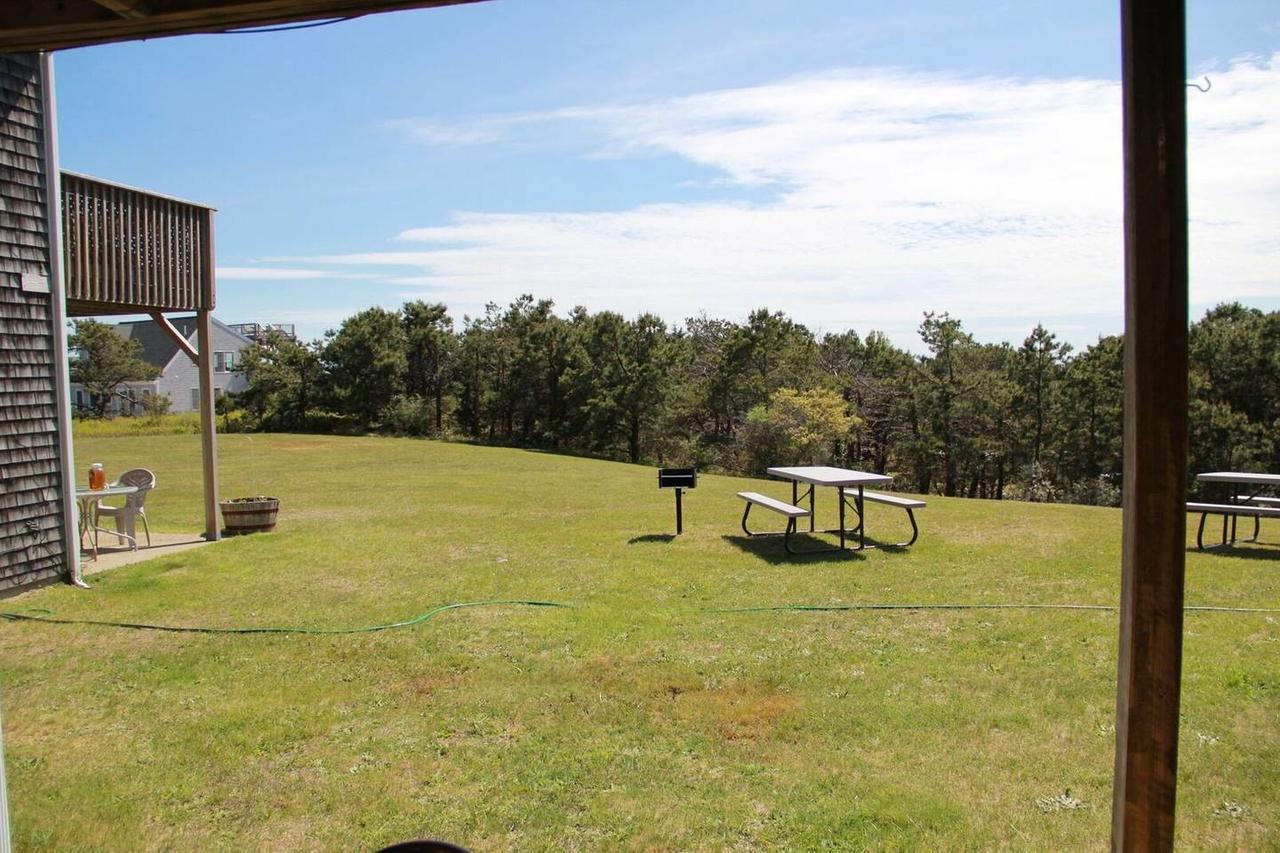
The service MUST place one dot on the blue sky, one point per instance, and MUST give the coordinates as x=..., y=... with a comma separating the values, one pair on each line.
x=851, y=163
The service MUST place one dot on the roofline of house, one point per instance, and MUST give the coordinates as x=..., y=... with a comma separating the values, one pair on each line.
x=190, y=337
x=195, y=331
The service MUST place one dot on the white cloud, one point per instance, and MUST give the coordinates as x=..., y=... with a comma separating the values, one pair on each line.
x=997, y=199
x=281, y=274
x=438, y=133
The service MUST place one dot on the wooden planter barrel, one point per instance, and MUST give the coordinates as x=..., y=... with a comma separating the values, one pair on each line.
x=249, y=515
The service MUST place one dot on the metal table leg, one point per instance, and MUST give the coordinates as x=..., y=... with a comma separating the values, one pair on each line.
x=840, y=495
x=862, y=521
x=89, y=523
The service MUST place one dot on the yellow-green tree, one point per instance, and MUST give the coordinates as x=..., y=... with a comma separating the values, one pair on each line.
x=800, y=427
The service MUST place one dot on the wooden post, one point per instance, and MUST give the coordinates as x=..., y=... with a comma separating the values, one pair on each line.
x=58, y=320
x=4, y=800
x=208, y=417
x=208, y=424
x=1153, y=44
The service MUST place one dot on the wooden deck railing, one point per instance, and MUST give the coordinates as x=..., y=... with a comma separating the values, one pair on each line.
x=130, y=251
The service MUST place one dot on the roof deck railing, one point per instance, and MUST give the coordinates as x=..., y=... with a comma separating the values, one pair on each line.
x=256, y=331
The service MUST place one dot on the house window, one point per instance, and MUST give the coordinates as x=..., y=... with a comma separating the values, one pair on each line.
x=195, y=399
x=224, y=362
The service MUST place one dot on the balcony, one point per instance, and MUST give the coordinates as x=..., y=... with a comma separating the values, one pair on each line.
x=127, y=251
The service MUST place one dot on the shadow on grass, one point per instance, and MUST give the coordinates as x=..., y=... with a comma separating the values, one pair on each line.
x=1267, y=551
x=652, y=537
x=769, y=548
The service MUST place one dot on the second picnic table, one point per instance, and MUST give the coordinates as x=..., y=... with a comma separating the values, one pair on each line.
x=1247, y=502
x=841, y=479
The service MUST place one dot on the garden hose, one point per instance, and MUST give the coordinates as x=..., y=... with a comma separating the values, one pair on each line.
x=33, y=616
x=46, y=616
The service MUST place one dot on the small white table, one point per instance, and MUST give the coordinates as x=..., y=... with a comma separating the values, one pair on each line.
x=88, y=501
x=1255, y=481
x=841, y=479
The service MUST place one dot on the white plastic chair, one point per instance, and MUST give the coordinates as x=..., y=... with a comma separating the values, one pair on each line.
x=127, y=516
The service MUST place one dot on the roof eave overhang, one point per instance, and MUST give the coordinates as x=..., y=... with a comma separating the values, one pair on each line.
x=29, y=27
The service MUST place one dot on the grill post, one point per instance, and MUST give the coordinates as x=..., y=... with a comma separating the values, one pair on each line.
x=678, y=479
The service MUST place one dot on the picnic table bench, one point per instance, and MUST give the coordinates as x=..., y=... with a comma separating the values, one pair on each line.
x=791, y=511
x=908, y=504
x=1229, y=512
x=1249, y=505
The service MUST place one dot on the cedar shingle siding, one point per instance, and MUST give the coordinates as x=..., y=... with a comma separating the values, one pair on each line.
x=30, y=504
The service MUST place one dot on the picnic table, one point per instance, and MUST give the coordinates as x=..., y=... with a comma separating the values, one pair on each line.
x=88, y=501
x=841, y=479
x=1249, y=502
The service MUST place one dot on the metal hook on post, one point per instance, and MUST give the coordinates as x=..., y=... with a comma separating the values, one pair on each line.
x=1208, y=84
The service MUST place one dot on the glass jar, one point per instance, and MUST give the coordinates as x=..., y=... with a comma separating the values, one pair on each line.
x=97, y=476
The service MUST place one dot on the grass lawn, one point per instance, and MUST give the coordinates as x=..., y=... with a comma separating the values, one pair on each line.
x=639, y=718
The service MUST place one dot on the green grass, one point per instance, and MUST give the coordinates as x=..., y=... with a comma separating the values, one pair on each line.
x=636, y=719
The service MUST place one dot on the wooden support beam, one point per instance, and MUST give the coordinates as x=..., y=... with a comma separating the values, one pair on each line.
x=172, y=331
x=44, y=25
x=4, y=805
x=132, y=9
x=1153, y=45
x=208, y=425
x=58, y=319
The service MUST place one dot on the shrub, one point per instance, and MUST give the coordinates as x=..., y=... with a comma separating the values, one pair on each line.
x=1036, y=486
x=184, y=423
x=331, y=423
x=1099, y=492
x=407, y=415
x=155, y=405
x=237, y=420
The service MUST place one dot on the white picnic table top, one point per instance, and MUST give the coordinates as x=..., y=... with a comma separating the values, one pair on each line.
x=1251, y=478
x=825, y=475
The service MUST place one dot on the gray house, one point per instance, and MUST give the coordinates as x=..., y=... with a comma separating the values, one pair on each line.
x=179, y=379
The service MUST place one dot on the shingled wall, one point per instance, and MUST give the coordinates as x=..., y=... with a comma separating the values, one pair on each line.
x=30, y=504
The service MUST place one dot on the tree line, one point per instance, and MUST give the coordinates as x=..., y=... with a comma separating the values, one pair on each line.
x=1035, y=421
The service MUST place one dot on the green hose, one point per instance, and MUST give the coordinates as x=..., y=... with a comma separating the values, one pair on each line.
x=30, y=616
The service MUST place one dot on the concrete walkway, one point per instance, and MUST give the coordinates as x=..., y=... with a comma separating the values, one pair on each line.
x=111, y=555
